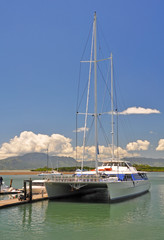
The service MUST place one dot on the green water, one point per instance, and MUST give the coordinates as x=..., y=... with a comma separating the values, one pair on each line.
x=139, y=218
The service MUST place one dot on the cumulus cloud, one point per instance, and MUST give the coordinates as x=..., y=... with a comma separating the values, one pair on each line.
x=160, y=145
x=30, y=142
x=59, y=145
x=104, y=153
x=138, y=110
x=81, y=129
x=138, y=145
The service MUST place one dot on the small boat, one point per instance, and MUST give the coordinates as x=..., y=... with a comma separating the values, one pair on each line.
x=47, y=174
x=117, y=178
x=52, y=173
x=4, y=189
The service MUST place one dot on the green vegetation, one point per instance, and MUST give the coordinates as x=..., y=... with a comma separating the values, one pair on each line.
x=72, y=169
x=44, y=169
x=147, y=168
x=61, y=169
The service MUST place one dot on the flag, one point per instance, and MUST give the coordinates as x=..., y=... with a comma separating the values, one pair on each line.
x=97, y=148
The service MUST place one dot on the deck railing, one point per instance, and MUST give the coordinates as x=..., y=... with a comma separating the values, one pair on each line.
x=82, y=179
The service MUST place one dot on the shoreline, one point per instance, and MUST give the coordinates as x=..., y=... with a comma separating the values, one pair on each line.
x=18, y=172
x=29, y=172
x=24, y=172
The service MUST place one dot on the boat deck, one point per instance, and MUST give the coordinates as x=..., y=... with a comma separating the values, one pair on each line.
x=81, y=179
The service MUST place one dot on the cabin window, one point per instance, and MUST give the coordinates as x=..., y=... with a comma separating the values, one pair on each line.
x=143, y=175
x=122, y=164
x=129, y=164
x=127, y=177
x=112, y=175
x=139, y=176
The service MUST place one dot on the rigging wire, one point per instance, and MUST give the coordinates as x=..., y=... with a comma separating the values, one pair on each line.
x=89, y=132
x=124, y=123
x=86, y=116
x=100, y=30
x=80, y=67
x=78, y=88
x=107, y=92
x=103, y=131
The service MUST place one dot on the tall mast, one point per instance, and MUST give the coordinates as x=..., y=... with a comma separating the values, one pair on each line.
x=95, y=90
x=112, y=121
x=47, y=159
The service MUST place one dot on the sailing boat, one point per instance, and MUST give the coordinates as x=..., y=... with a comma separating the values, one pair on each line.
x=53, y=172
x=118, y=179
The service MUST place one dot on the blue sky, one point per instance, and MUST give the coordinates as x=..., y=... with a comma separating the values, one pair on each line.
x=41, y=45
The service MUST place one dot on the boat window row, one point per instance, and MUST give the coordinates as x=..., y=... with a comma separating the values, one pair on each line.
x=121, y=164
x=132, y=177
x=140, y=176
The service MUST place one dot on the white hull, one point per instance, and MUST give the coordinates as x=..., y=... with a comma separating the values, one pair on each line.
x=127, y=189
x=55, y=173
x=59, y=190
x=37, y=190
x=115, y=190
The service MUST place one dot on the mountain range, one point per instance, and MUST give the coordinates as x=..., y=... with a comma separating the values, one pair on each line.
x=37, y=160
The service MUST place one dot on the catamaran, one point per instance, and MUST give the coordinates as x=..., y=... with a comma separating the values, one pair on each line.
x=117, y=178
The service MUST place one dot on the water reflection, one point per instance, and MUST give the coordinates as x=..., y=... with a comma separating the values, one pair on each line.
x=82, y=212
x=88, y=217
x=33, y=214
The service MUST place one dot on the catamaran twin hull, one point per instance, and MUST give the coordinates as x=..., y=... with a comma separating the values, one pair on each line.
x=115, y=190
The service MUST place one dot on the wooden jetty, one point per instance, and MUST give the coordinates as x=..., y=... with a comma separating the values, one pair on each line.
x=24, y=197
x=16, y=201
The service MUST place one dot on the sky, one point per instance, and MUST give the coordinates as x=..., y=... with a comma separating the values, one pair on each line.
x=41, y=44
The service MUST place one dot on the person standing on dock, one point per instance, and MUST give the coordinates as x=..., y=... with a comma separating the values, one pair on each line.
x=1, y=180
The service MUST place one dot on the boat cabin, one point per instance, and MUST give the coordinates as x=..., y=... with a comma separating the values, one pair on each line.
x=117, y=163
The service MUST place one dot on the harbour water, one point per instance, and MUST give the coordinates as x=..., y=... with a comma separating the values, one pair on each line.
x=87, y=218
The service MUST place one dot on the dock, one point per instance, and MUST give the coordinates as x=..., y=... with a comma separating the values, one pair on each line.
x=17, y=202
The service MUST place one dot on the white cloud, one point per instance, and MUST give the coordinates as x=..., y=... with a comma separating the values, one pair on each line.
x=59, y=145
x=104, y=153
x=138, y=110
x=138, y=145
x=81, y=129
x=160, y=145
x=31, y=142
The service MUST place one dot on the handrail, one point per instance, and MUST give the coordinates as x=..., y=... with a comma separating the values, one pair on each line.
x=77, y=179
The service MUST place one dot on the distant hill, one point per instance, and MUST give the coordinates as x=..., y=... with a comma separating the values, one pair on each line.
x=140, y=160
x=35, y=160
x=38, y=160
x=148, y=161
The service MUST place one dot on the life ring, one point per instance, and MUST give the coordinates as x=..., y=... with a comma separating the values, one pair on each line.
x=108, y=169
